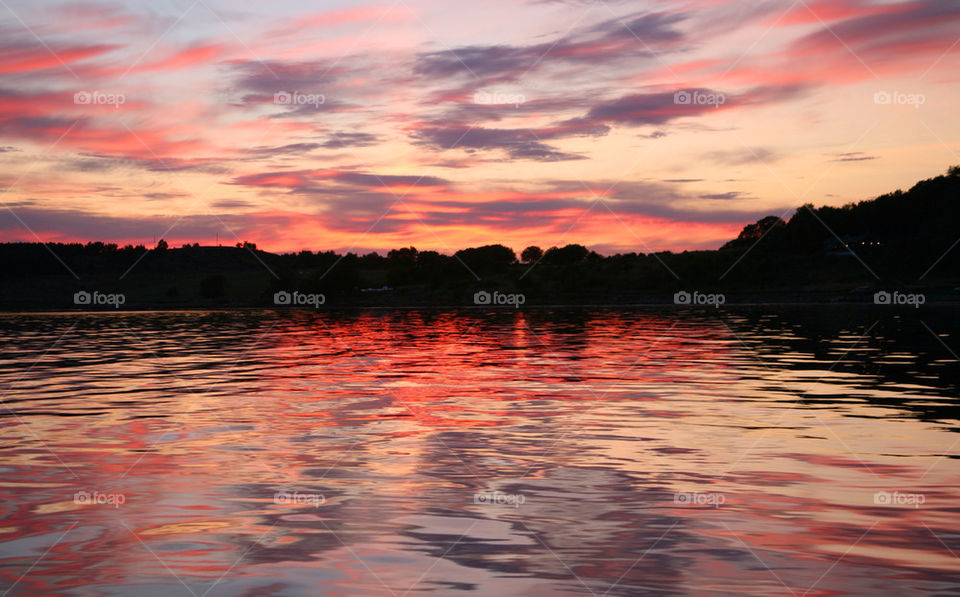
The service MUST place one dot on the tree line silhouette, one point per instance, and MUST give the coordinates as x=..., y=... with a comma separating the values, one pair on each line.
x=902, y=238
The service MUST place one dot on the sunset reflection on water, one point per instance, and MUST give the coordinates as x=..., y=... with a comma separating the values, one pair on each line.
x=628, y=452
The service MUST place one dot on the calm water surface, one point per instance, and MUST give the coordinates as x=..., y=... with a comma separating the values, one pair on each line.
x=767, y=452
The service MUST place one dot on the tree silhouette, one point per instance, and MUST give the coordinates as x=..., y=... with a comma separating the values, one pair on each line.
x=487, y=259
x=567, y=255
x=751, y=233
x=531, y=254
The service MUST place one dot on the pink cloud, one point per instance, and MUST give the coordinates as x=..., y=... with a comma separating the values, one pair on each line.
x=186, y=58
x=24, y=57
x=827, y=11
x=91, y=17
x=335, y=18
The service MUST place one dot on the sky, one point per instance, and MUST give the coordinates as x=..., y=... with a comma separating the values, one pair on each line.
x=624, y=126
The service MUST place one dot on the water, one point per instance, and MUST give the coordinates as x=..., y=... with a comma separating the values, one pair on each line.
x=765, y=452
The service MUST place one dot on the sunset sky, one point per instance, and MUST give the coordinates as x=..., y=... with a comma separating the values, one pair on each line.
x=624, y=126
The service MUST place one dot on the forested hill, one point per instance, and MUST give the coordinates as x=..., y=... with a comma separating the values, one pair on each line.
x=906, y=237
x=923, y=219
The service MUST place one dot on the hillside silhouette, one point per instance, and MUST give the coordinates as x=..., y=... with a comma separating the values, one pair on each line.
x=904, y=239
